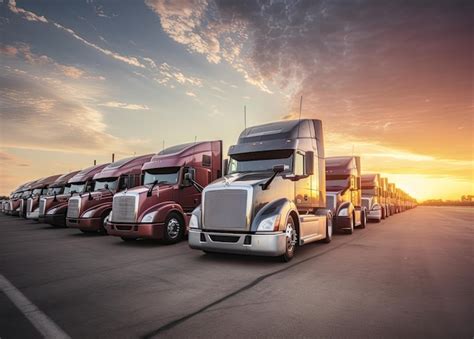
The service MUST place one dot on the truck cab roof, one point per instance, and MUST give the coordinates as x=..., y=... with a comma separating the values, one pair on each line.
x=370, y=180
x=132, y=165
x=279, y=135
x=343, y=165
x=45, y=182
x=63, y=179
x=86, y=174
x=180, y=155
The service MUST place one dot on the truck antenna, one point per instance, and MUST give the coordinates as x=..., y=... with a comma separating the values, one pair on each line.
x=113, y=157
x=95, y=162
x=245, y=116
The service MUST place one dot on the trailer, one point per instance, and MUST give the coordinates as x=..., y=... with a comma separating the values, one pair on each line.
x=372, y=197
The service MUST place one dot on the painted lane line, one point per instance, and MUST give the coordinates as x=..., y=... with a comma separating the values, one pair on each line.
x=37, y=318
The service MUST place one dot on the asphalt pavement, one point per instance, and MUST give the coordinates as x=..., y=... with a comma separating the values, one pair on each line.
x=408, y=276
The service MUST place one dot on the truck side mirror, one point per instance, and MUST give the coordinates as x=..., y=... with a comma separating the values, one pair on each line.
x=188, y=177
x=279, y=168
x=309, y=163
x=359, y=183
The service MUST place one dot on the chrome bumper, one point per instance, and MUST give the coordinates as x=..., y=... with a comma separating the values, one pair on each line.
x=33, y=215
x=374, y=215
x=271, y=244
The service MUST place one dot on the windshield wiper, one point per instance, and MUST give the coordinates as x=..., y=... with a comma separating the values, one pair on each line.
x=156, y=182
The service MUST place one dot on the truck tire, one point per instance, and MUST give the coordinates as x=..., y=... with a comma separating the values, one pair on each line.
x=102, y=229
x=329, y=229
x=291, y=237
x=363, y=220
x=173, y=228
x=353, y=221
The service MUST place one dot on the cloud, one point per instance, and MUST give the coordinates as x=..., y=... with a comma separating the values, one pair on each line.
x=8, y=159
x=134, y=107
x=391, y=72
x=191, y=94
x=196, y=24
x=30, y=16
x=28, y=101
x=168, y=74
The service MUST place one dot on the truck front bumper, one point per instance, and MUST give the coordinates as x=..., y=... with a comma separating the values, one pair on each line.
x=58, y=220
x=32, y=215
x=135, y=231
x=374, y=215
x=266, y=244
x=85, y=224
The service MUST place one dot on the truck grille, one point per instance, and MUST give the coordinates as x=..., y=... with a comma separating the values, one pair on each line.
x=225, y=209
x=42, y=206
x=73, y=207
x=366, y=203
x=29, y=204
x=330, y=202
x=22, y=204
x=123, y=208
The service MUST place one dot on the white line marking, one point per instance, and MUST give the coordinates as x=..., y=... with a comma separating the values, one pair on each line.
x=39, y=320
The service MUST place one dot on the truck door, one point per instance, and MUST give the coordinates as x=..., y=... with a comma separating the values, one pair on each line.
x=303, y=185
x=188, y=196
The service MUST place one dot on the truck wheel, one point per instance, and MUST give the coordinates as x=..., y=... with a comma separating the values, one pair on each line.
x=174, y=229
x=353, y=221
x=102, y=229
x=363, y=220
x=328, y=238
x=291, y=236
x=383, y=213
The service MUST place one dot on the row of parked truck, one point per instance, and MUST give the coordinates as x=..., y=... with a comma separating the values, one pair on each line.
x=276, y=191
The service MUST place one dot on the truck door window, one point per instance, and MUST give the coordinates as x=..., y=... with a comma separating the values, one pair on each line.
x=206, y=160
x=299, y=164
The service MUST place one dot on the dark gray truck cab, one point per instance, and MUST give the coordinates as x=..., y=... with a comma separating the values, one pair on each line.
x=273, y=196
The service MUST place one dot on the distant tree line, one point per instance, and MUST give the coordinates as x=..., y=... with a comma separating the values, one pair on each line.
x=466, y=200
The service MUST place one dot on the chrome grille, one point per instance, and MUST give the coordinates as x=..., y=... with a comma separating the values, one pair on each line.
x=73, y=207
x=366, y=203
x=29, y=204
x=330, y=202
x=42, y=206
x=225, y=209
x=124, y=208
x=22, y=204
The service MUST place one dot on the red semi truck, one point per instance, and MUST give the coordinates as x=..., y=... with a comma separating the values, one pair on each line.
x=392, y=193
x=372, y=196
x=53, y=209
x=344, y=193
x=39, y=189
x=25, y=194
x=172, y=185
x=88, y=212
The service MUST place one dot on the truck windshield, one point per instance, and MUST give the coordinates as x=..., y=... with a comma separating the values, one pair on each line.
x=260, y=161
x=76, y=188
x=167, y=175
x=37, y=191
x=338, y=181
x=110, y=182
x=53, y=190
x=25, y=194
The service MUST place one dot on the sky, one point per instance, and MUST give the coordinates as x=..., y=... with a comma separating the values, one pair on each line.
x=392, y=82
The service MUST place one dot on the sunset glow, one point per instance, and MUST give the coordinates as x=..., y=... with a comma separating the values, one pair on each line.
x=391, y=82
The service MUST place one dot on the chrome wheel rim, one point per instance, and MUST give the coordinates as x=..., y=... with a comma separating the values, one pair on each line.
x=290, y=238
x=329, y=228
x=173, y=228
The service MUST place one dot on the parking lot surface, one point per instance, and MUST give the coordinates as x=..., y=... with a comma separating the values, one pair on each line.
x=408, y=276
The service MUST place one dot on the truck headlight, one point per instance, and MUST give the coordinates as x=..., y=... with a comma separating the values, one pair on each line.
x=88, y=214
x=193, y=222
x=269, y=224
x=343, y=212
x=52, y=211
x=149, y=217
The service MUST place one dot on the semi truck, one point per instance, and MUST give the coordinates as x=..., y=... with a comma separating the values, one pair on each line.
x=344, y=193
x=385, y=197
x=53, y=209
x=39, y=189
x=13, y=202
x=172, y=184
x=88, y=212
x=372, y=196
x=25, y=194
x=392, y=190
x=273, y=197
